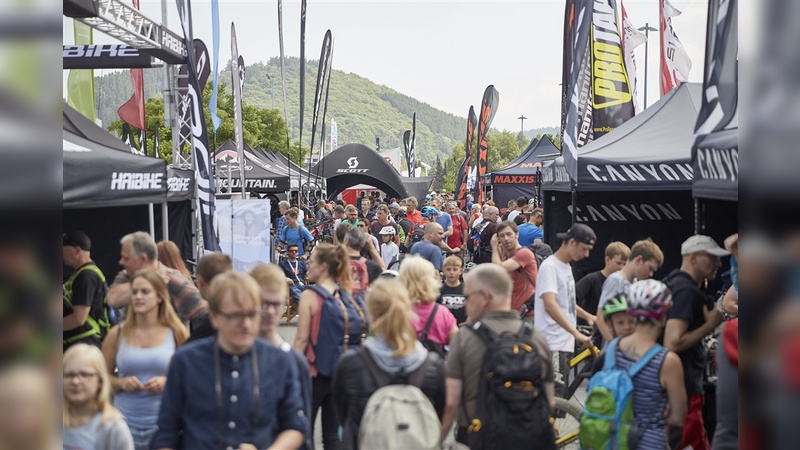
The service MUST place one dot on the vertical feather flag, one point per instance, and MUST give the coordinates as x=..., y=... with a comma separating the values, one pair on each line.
x=155, y=142
x=143, y=141
x=612, y=96
x=407, y=147
x=461, y=186
x=283, y=84
x=675, y=62
x=720, y=80
x=302, y=69
x=206, y=201
x=631, y=38
x=132, y=111
x=412, y=148
x=334, y=136
x=212, y=103
x=491, y=99
x=80, y=82
x=236, y=84
x=324, y=64
x=579, y=18
x=325, y=105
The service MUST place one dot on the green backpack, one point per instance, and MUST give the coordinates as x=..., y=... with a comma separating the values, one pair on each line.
x=608, y=421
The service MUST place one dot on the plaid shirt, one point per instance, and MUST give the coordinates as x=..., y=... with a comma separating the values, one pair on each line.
x=280, y=225
x=184, y=295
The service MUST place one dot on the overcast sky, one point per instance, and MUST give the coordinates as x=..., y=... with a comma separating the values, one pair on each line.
x=443, y=53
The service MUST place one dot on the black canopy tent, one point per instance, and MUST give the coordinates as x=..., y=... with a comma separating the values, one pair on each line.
x=635, y=182
x=716, y=166
x=518, y=178
x=354, y=164
x=108, y=191
x=260, y=177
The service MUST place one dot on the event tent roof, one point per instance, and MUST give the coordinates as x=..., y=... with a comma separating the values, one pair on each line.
x=260, y=177
x=354, y=164
x=100, y=170
x=542, y=150
x=716, y=166
x=649, y=152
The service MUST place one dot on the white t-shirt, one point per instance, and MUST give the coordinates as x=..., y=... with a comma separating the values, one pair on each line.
x=614, y=284
x=513, y=215
x=556, y=277
x=388, y=253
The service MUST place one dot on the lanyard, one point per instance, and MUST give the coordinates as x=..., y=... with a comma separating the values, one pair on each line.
x=295, y=270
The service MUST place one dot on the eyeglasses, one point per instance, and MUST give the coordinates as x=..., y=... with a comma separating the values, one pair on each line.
x=239, y=316
x=83, y=376
x=265, y=306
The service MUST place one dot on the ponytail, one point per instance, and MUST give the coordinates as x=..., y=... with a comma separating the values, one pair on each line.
x=343, y=270
x=389, y=308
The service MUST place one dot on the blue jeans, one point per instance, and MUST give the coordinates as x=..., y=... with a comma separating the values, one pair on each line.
x=142, y=437
x=295, y=291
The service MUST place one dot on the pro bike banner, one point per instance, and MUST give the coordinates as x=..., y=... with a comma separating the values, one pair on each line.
x=216, y=121
x=461, y=180
x=720, y=80
x=236, y=83
x=675, y=62
x=412, y=147
x=612, y=98
x=206, y=204
x=491, y=98
x=184, y=102
x=80, y=83
x=407, y=147
x=577, y=130
x=324, y=66
x=631, y=38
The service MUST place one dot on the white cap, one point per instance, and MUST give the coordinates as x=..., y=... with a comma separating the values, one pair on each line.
x=700, y=243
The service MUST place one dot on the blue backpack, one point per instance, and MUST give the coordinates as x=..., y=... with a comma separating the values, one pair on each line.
x=608, y=421
x=341, y=322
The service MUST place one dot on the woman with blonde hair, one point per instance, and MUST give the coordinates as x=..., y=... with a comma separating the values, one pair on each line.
x=140, y=350
x=392, y=352
x=90, y=421
x=170, y=255
x=435, y=324
x=331, y=321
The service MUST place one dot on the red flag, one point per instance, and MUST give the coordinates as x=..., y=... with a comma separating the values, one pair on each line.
x=132, y=112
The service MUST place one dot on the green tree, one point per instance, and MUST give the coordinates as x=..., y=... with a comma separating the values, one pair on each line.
x=452, y=165
x=503, y=148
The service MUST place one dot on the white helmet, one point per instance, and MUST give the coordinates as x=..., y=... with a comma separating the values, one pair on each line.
x=648, y=299
x=387, y=231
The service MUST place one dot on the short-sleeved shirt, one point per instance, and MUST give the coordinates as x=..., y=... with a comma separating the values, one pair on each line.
x=185, y=297
x=688, y=302
x=466, y=356
x=445, y=221
x=513, y=215
x=87, y=290
x=529, y=232
x=556, y=277
x=295, y=236
x=453, y=298
x=614, y=284
x=523, y=289
x=456, y=239
x=295, y=271
x=443, y=322
x=415, y=217
x=588, y=289
x=428, y=251
x=376, y=228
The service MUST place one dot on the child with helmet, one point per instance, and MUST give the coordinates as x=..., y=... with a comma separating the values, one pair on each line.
x=389, y=250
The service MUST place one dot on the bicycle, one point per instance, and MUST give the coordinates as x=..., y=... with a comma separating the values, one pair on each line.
x=567, y=428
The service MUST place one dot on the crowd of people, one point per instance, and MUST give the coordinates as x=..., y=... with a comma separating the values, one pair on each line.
x=459, y=318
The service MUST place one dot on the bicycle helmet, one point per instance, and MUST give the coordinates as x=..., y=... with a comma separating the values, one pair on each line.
x=616, y=304
x=387, y=231
x=429, y=210
x=648, y=299
x=388, y=273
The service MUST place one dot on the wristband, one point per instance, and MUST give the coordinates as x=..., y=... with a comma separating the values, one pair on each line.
x=726, y=316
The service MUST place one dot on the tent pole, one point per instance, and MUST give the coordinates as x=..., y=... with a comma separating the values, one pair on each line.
x=574, y=205
x=152, y=220
x=165, y=220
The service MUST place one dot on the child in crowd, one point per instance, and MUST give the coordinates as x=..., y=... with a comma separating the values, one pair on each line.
x=617, y=319
x=389, y=250
x=452, y=293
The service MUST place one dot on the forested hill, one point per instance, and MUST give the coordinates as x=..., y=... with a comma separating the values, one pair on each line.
x=362, y=109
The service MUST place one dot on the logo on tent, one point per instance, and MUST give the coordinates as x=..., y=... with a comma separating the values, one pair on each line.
x=352, y=163
x=228, y=156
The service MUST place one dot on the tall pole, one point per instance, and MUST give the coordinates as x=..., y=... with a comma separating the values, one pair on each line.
x=522, y=123
x=647, y=29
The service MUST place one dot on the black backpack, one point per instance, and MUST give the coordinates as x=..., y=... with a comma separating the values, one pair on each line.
x=541, y=251
x=477, y=240
x=512, y=409
x=417, y=234
x=422, y=335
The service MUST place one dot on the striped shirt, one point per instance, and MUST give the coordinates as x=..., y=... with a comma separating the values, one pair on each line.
x=649, y=399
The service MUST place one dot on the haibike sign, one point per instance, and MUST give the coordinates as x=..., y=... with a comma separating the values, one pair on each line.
x=135, y=181
x=625, y=212
x=100, y=50
x=178, y=184
x=352, y=164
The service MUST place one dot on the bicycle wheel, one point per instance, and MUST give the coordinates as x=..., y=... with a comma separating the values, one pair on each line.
x=567, y=430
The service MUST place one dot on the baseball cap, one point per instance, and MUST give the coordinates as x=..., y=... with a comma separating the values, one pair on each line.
x=77, y=238
x=580, y=232
x=701, y=243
